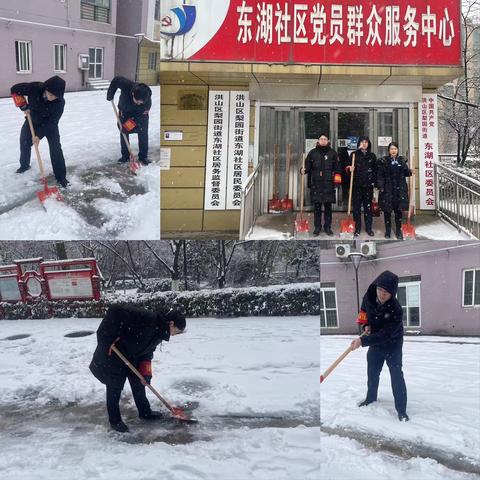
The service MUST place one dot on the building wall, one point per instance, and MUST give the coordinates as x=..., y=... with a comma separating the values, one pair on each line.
x=43, y=38
x=441, y=284
x=182, y=187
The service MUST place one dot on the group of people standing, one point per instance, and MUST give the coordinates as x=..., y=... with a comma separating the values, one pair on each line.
x=325, y=173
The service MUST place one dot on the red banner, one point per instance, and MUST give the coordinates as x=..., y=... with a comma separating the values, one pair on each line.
x=397, y=32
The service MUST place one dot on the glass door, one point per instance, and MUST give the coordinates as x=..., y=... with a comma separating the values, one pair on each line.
x=95, y=71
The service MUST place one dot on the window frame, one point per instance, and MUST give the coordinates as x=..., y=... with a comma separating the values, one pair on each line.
x=474, y=270
x=30, y=57
x=156, y=61
x=64, y=45
x=322, y=292
x=417, y=283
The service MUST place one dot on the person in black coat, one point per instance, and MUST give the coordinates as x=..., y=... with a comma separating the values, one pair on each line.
x=364, y=178
x=381, y=316
x=134, y=107
x=45, y=102
x=391, y=174
x=322, y=168
x=136, y=333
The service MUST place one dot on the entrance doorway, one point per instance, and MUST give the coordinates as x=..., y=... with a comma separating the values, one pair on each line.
x=297, y=128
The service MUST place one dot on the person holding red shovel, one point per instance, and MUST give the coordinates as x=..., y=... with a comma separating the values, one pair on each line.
x=136, y=333
x=134, y=107
x=364, y=179
x=323, y=170
x=45, y=102
x=381, y=316
x=391, y=174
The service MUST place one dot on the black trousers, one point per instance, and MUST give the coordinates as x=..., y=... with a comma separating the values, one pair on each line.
x=327, y=215
x=362, y=197
x=393, y=356
x=56, y=154
x=388, y=220
x=139, y=396
x=142, y=131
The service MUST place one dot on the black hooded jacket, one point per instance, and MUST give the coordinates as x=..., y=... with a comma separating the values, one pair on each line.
x=391, y=181
x=140, y=333
x=321, y=165
x=45, y=114
x=365, y=173
x=126, y=105
x=385, y=320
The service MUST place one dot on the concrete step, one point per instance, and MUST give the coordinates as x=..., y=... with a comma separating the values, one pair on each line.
x=98, y=84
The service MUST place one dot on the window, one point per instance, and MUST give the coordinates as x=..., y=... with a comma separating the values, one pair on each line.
x=95, y=10
x=152, y=60
x=59, y=58
x=157, y=10
x=409, y=298
x=23, y=53
x=95, y=71
x=471, y=288
x=328, y=306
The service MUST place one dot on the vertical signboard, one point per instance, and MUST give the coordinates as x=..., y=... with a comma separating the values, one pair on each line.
x=217, y=150
x=237, y=147
x=428, y=148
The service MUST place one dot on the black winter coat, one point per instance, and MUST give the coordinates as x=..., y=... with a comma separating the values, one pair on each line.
x=365, y=173
x=45, y=114
x=127, y=107
x=391, y=179
x=385, y=321
x=321, y=165
x=140, y=333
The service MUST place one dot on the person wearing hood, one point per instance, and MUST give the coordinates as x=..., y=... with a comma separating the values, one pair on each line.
x=391, y=174
x=136, y=333
x=322, y=168
x=45, y=102
x=133, y=107
x=364, y=178
x=381, y=317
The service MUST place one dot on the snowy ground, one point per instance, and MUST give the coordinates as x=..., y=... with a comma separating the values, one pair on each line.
x=442, y=439
x=104, y=199
x=256, y=380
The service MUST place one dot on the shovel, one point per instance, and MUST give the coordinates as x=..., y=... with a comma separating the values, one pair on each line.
x=301, y=224
x=347, y=226
x=275, y=204
x=47, y=191
x=408, y=230
x=176, y=412
x=133, y=165
x=287, y=203
x=332, y=367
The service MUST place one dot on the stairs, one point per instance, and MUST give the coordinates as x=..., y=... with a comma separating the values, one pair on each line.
x=98, y=84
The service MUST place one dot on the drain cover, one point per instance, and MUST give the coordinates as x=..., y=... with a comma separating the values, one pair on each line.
x=17, y=337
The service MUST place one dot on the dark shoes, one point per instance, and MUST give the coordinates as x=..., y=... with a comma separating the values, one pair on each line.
x=316, y=232
x=22, y=169
x=152, y=415
x=123, y=160
x=144, y=161
x=63, y=182
x=370, y=233
x=365, y=403
x=403, y=417
x=119, y=426
x=356, y=233
x=399, y=234
x=387, y=235
x=328, y=231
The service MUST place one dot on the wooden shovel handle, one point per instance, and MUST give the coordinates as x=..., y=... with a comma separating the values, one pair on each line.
x=37, y=150
x=302, y=186
x=351, y=186
x=411, y=198
x=119, y=123
x=287, y=170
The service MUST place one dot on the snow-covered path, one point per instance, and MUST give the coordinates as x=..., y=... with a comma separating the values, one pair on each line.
x=443, y=383
x=103, y=200
x=256, y=380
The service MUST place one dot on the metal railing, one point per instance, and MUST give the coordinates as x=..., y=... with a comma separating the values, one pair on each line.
x=458, y=199
x=252, y=198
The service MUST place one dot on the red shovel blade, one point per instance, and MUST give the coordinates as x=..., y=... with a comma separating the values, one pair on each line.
x=179, y=414
x=408, y=231
x=347, y=226
x=275, y=205
x=49, y=192
x=322, y=378
x=302, y=225
x=287, y=204
x=133, y=165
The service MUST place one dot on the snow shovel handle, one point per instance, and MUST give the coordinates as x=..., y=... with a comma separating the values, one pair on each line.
x=119, y=123
x=140, y=376
x=351, y=186
x=332, y=367
x=287, y=170
x=302, y=186
x=411, y=198
x=37, y=150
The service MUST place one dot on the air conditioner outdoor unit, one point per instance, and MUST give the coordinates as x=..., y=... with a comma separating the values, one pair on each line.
x=369, y=249
x=342, y=250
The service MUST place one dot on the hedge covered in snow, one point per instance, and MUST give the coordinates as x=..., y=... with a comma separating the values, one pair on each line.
x=278, y=300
